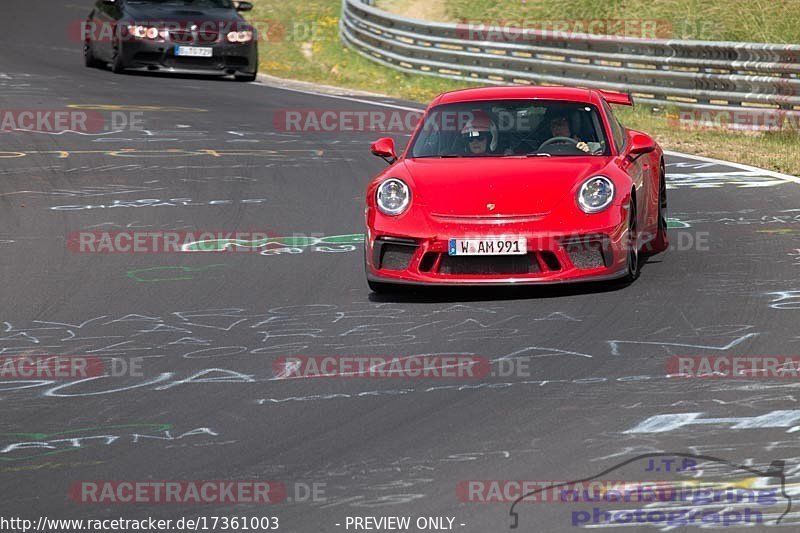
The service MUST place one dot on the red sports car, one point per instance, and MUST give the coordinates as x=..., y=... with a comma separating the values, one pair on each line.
x=516, y=185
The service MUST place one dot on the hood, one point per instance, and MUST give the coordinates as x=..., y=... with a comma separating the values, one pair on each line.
x=179, y=13
x=516, y=186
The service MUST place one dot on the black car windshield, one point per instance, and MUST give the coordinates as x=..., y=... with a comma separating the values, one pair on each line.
x=225, y=4
x=505, y=128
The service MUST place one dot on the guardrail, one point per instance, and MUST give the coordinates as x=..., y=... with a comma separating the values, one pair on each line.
x=703, y=75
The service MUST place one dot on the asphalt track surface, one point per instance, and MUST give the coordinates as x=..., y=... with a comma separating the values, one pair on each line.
x=210, y=325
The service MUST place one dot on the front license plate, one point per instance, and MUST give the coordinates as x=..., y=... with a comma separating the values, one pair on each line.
x=511, y=246
x=193, y=51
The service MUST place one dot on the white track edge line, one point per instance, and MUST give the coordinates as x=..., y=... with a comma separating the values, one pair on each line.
x=740, y=166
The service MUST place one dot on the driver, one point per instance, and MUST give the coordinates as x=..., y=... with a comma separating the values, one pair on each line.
x=480, y=134
x=559, y=127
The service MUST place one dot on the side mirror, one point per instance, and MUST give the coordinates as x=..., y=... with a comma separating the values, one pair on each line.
x=639, y=144
x=384, y=148
x=243, y=6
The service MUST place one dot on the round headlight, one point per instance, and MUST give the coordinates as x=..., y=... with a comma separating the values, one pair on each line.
x=393, y=197
x=151, y=33
x=596, y=194
x=244, y=36
x=137, y=31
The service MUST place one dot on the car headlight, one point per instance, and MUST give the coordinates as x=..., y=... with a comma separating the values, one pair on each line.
x=393, y=197
x=144, y=32
x=137, y=31
x=240, y=36
x=596, y=194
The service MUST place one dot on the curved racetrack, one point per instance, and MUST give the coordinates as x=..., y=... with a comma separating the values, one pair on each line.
x=209, y=326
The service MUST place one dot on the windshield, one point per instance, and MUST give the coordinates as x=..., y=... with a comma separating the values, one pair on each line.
x=226, y=4
x=503, y=128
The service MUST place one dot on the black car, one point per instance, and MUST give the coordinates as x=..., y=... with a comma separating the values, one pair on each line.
x=181, y=36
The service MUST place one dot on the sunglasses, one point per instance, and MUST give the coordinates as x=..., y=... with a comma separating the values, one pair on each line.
x=480, y=137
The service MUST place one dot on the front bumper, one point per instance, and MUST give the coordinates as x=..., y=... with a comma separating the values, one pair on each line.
x=226, y=59
x=554, y=255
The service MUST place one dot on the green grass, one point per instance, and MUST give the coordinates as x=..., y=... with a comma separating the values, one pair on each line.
x=310, y=50
x=774, y=151
x=769, y=21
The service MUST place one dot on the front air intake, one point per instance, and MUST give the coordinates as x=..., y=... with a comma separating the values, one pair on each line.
x=588, y=253
x=491, y=264
x=393, y=253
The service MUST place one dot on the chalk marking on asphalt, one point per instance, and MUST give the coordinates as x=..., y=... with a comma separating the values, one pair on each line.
x=62, y=132
x=614, y=344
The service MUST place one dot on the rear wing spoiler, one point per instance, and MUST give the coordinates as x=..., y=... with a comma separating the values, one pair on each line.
x=616, y=98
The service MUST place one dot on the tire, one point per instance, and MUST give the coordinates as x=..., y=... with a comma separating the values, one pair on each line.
x=89, y=58
x=117, y=67
x=246, y=77
x=661, y=241
x=384, y=288
x=633, y=263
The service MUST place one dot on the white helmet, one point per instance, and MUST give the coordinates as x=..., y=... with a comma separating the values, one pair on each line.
x=481, y=123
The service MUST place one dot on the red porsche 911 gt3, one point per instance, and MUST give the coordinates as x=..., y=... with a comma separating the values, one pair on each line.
x=516, y=185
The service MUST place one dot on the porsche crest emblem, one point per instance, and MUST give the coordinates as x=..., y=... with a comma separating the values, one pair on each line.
x=490, y=207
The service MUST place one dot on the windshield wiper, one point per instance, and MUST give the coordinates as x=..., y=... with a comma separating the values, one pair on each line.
x=538, y=154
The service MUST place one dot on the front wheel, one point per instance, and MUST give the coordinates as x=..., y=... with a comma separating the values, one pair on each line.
x=89, y=58
x=117, y=66
x=661, y=242
x=632, y=243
